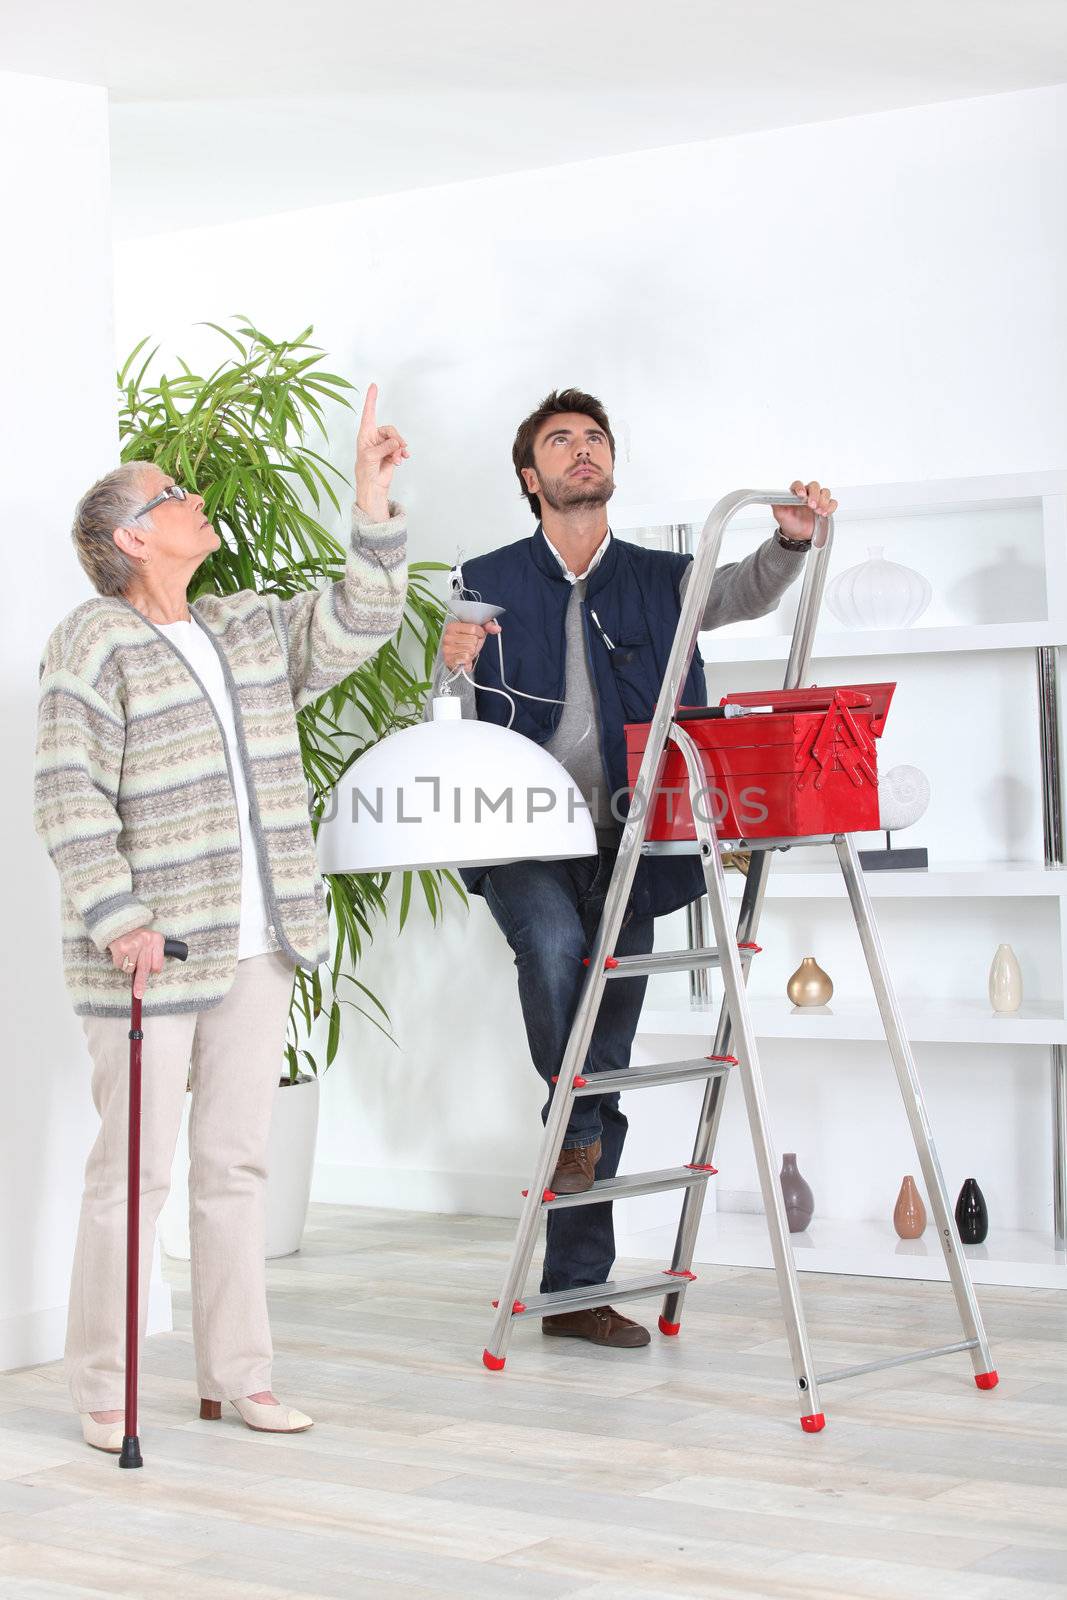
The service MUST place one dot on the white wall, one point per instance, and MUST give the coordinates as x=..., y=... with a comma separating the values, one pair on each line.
x=877, y=299
x=57, y=433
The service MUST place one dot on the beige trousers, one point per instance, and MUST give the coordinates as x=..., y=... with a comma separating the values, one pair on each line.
x=233, y=1056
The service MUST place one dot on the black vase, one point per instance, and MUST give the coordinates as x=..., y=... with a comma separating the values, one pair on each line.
x=972, y=1218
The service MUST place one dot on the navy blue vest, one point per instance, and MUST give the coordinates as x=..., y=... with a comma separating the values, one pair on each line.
x=634, y=593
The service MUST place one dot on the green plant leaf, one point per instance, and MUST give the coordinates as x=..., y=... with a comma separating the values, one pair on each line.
x=240, y=435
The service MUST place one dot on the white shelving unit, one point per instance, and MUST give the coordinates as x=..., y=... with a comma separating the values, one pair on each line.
x=1017, y=527
x=1025, y=1260
x=919, y=641
x=952, y=1021
x=954, y=880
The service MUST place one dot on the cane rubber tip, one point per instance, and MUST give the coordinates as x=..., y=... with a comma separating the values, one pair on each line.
x=987, y=1380
x=669, y=1328
x=130, y=1454
x=494, y=1363
x=813, y=1424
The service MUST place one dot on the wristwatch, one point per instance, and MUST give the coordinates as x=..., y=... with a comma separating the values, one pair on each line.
x=791, y=544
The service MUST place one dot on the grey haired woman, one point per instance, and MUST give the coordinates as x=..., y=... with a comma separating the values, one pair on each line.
x=170, y=793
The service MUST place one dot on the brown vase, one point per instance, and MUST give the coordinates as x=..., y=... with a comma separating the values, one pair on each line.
x=796, y=1192
x=809, y=985
x=909, y=1213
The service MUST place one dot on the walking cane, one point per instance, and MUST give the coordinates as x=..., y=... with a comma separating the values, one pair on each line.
x=130, y=1455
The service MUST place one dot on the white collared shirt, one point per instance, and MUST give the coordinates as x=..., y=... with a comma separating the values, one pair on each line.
x=570, y=576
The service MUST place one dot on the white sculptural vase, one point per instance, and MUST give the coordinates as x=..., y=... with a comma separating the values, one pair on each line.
x=878, y=594
x=1005, y=981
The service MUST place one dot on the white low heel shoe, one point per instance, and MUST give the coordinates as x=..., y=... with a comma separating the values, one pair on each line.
x=101, y=1435
x=261, y=1418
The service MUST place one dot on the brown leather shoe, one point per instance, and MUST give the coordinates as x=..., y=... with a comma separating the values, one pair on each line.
x=601, y=1325
x=575, y=1169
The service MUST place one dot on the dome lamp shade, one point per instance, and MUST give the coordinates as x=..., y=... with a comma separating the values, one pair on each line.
x=453, y=792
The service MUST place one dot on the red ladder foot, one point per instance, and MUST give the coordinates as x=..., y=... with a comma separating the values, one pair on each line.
x=813, y=1424
x=494, y=1363
x=987, y=1380
x=669, y=1328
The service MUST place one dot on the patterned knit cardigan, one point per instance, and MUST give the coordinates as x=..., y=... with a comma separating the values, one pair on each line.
x=133, y=788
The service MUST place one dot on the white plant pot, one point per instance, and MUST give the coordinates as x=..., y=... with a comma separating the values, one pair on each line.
x=290, y=1161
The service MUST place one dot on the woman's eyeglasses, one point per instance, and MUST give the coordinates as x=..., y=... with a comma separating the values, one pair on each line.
x=173, y=491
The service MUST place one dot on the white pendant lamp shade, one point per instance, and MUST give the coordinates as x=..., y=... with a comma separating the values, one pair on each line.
x=453, y=792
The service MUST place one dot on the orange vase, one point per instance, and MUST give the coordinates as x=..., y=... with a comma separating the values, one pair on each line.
x=909, y=1213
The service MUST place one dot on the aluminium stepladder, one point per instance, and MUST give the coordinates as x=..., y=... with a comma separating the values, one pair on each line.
x=732, y=954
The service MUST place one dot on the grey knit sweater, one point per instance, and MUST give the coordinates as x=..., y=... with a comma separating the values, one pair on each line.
x=740, y=591
x=133, y=789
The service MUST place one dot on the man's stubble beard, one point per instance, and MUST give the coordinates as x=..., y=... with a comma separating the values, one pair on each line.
x=563, y=495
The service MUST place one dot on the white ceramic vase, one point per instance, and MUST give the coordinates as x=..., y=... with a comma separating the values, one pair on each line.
x=1005, y=980
x=878, y=594
x=290, y=1162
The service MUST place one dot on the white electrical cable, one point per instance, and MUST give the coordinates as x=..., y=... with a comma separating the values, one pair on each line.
x=507, y=691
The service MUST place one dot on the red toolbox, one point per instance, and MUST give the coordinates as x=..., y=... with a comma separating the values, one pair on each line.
x=806, y=766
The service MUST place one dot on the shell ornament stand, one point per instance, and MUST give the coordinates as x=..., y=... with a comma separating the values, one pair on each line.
x=903, y=796
x=890, y=860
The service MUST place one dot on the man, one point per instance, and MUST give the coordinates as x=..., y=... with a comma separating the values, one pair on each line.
x=588, y=627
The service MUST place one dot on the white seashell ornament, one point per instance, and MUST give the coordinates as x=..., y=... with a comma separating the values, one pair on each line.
x=903, y=796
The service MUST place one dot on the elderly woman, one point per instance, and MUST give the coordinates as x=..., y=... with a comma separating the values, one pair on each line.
x=171, y=796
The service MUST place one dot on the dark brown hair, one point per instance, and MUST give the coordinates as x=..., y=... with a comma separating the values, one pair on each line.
x=558, y=403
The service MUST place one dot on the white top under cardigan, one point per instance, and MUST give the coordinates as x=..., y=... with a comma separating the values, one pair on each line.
x=256, y=935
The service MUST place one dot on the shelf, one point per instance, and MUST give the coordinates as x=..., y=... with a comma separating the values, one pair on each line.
x=955, y=1021
x=951, y=880
x=862, y=502
x=722, y=647
x=863, y=1249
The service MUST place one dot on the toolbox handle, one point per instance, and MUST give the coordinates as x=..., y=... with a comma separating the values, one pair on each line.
x=791, y=701
x=698, y=713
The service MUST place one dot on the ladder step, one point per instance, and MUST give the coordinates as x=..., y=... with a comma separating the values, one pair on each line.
x=634, y=1183
x=599, y=1294
x=659, y=1072
x=671, y=961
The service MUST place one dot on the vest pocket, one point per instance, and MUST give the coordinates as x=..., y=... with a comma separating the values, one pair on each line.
x=637, y=679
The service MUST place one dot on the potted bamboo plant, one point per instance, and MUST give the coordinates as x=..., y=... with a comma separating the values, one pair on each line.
x=243, y=435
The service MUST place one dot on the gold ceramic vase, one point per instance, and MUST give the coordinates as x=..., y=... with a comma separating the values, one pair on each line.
x=810, y=985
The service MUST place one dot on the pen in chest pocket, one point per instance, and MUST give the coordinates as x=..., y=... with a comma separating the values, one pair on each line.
x=599, y=629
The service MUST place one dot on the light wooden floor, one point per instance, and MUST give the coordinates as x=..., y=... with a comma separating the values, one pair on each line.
x=574, y=1475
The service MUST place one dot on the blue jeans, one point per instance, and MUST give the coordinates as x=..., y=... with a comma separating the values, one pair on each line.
x=549, y=912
